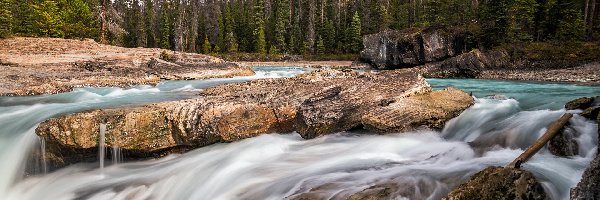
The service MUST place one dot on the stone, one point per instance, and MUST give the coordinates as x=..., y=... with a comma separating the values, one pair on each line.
x=33, y=66
x=498, y=183
x=430, y=110
x=313, y=104
x=394, y=49
x=582, y=103
x=564, y=144
x=589, y=186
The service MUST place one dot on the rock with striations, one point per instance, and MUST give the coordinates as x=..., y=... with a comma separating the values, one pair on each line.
x=497, y=183
x=313, y=104
x=394, y=49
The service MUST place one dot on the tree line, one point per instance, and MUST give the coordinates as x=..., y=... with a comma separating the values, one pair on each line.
x=293, y=26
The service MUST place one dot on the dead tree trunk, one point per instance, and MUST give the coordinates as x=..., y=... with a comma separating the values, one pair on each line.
x=103, y=18
x=553, y=129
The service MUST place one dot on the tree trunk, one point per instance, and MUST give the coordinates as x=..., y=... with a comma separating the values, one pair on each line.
x=585, y=15
x=591, y=15
x=310, y=36
x=553, y=129
x=103, y=23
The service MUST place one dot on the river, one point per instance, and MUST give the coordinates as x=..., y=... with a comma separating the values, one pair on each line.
x=506, y=118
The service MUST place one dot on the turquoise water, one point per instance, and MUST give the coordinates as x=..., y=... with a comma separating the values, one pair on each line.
x=531, y=96
x=491, y=133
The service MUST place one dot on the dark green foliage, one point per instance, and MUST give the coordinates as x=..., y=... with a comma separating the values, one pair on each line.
x=165, y=28
x=77, y=19
x=355, y=42
x=49, y=21
x=297, y=26
x=6, y=18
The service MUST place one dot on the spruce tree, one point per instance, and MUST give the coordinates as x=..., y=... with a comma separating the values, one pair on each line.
x=6, y=18
x=165, y=29
x=320, y=46
x=521, y=15
x=49, y=20
x=149, y=17
x=24, y=17
x=494, y=22
x=77, y=19
x=260, y=45
x=279, y=30
x=206, y=45
x=355, y=37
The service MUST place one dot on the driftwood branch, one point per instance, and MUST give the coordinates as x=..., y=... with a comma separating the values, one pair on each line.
x=553, y=129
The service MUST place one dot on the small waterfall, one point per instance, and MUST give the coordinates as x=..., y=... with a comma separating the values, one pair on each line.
x=101, y=145
x=43, y=153
x=117, y=155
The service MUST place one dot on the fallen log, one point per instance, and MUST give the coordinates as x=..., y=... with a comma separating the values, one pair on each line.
x=553, y=129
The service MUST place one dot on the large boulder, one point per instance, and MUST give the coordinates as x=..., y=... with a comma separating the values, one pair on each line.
x=430, y=110
x=313, y=104
x=583, y=103
x=589, y=187
x=394, y=49
x=497, y=183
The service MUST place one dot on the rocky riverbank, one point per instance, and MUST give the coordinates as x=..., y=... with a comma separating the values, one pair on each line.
x=31, y=66
x=444, y=53
x=313, y=104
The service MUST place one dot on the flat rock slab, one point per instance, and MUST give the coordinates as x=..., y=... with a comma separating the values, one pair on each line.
x=313, y=104
x=32, y=66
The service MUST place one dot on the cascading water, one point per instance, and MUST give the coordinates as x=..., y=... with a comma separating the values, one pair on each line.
x=422, y=164
x=101, y=146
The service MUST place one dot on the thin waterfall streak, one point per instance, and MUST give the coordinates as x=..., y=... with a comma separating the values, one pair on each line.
x=101, y=145
x=117, y=156
x=43, y=160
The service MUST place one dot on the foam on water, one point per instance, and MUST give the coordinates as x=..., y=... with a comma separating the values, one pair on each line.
x=422, y=164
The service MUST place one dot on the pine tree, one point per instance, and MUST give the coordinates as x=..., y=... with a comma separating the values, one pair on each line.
x=149, y=18
x=570, y=26
x=494, y=22
x=320, y=46
x=5, y=18
x=24, y=18
x=279, y=30
x=260, y=45
x=206, y=45
x=77, y=19
x=232, y=44
x=355, y=34
x=521, y=20
x=165, y=29
x=49, y=20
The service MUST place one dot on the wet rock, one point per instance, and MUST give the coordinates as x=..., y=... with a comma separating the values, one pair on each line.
x=582, y=103
x=591, y=112
x=314, y=104
x=496, y=183
x=395, y=49
x=564, y=143
x=589, y=186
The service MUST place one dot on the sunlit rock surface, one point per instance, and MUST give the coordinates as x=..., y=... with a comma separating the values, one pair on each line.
x=313, y=104
x=32, y=66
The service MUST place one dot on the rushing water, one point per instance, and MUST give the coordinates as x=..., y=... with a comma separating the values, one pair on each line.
x=424, y=164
